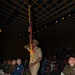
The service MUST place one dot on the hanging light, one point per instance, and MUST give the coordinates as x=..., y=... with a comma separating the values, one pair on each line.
x=69, y=15
x=23, y=37
x=19, y=39
x=34, y=32
x=45, y=26
x=62, y=18
x=41, y=28
x=37, y=30
x=0, y=30
x=56, y=21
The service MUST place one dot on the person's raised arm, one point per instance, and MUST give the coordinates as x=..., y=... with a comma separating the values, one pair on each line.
x=26, y=47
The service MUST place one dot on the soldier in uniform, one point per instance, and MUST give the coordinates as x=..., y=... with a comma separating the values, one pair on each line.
x=12, y=68
x=3, y=64
x=7, y=66
x=69, y=69
x=35, y=64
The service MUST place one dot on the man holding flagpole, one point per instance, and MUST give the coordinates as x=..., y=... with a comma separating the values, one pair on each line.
x=35, y=51
x=35, y=63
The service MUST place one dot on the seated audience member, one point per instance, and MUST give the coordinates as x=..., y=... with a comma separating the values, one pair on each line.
x=45, y=66
x=3, y=65
x=1, y=72
x=69, y=69
x=19, y=68
x=7, y=66
x=62, y=73
x=12, y=68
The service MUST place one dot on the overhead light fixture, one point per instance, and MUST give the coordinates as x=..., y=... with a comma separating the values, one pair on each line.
x=34, y=32
x=56, y=21
x=19, y=39
x=0, y=30
x=69, y=15
x=23, y=37
x=41, y=28
x=45, y=26
x=37, y=30
x=62, y=18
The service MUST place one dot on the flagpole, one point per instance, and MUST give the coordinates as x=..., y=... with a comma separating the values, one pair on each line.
x=30, y=36
x=29, y=13
x=30, y=28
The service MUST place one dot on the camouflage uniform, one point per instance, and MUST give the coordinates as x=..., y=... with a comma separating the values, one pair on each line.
x=11, y=69
x=6, y=68
x=69, y=70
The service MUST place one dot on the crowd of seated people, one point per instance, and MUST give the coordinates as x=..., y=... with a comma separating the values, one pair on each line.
x=52, y=66
x=49, y=66
x=55, y=64
x=13, y=67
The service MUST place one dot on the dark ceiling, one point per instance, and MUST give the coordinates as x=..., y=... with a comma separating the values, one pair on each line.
x=56, y=17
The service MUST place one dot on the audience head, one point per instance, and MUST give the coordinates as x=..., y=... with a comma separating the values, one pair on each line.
x=4, y=62
x=18, y=61
x=71, y=60
x=9, y=62
x=45, y=58
x=13, y=62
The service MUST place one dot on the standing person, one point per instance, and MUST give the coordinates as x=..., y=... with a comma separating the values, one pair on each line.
x=69, y=69
x=35, y=64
